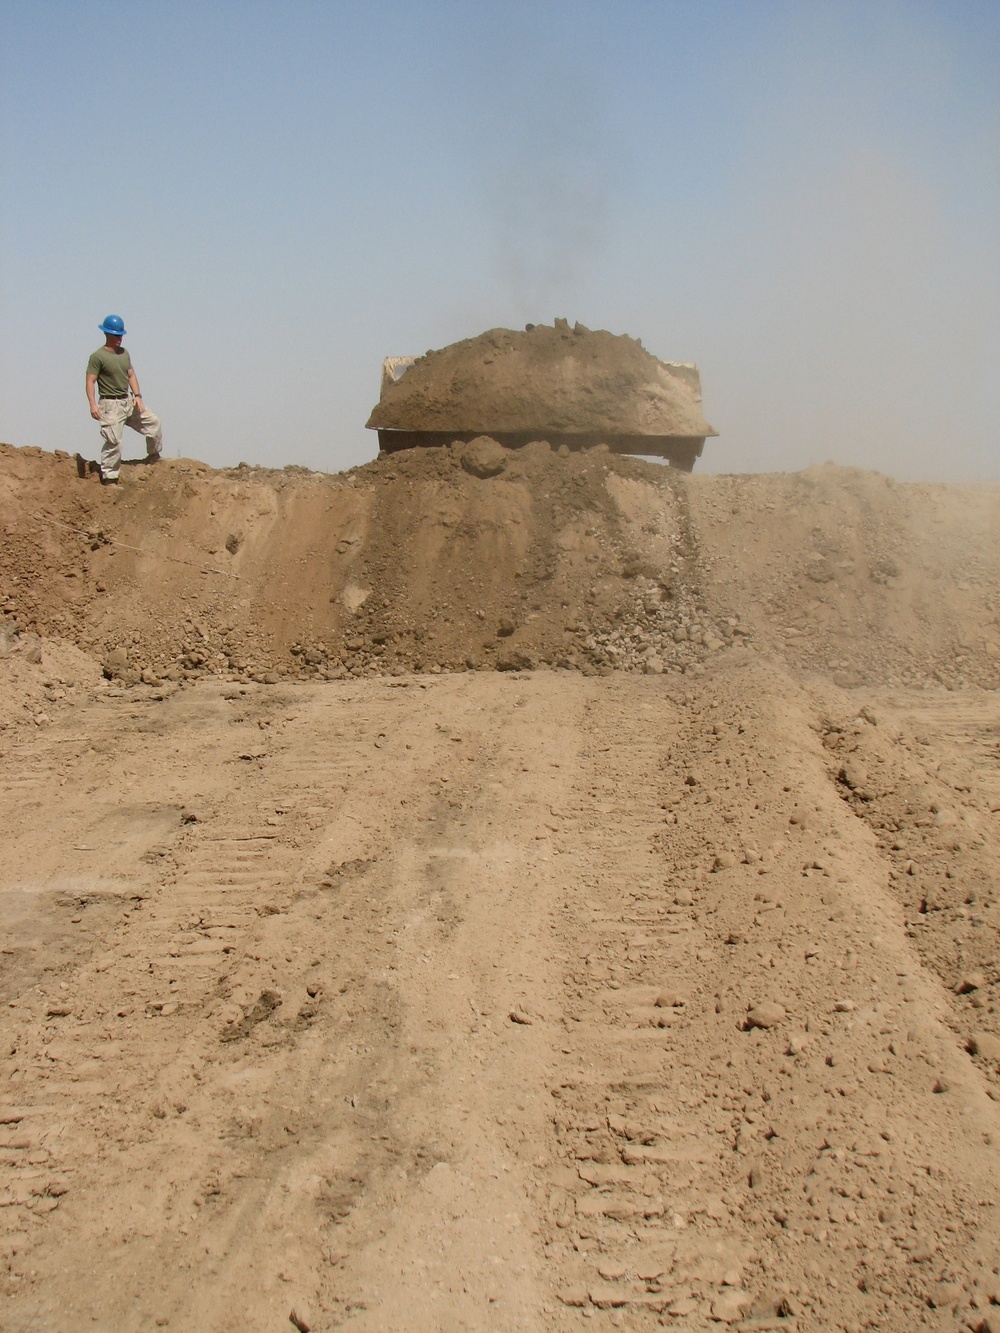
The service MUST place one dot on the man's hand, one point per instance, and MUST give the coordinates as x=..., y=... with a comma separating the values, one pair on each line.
x=95, y=411
x=137, y=397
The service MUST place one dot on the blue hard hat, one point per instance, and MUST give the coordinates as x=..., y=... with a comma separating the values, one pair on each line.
x=113, y=324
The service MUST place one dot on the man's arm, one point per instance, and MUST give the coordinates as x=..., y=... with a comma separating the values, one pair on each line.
x=134, y=386
x=91, y=399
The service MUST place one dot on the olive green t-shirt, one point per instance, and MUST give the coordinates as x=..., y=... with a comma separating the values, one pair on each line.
x=111, y=369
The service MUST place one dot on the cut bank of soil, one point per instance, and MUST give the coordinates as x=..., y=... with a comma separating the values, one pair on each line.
x=578, y=561
x=536, y=1000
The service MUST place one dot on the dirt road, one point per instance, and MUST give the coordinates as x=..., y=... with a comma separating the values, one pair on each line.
x=502, y=1002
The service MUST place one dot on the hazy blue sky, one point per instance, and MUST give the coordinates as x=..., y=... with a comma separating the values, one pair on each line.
x=802, y=197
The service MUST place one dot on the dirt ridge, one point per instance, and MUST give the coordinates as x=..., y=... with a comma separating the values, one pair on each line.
x=583, y=561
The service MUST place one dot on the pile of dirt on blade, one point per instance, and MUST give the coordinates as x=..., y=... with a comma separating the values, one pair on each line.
x=558, y=379
x=475, y=557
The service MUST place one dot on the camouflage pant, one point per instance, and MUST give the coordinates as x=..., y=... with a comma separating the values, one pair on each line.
x=116, y=414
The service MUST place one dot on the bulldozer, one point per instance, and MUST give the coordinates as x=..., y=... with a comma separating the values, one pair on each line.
x=563, y=383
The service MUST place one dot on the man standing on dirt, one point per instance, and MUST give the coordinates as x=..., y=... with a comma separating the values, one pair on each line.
x=120, y=403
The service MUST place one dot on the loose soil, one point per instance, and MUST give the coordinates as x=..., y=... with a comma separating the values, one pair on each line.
x=545, y=379
x=564, y=898
x=582, y=561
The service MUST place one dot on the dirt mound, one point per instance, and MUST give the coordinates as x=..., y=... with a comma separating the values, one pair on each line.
x=434, y=560
x=557, y=380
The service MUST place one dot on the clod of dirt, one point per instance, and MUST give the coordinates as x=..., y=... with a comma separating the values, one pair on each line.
x=9, y=633
x=728, y=1307
x=262, y=1009
x=576, y=1296
x=766, y=1015
x=116, y=664
x=986, y=1046
x=515, y=659
x=31, y=649
x=484, y=457
x=972, y=981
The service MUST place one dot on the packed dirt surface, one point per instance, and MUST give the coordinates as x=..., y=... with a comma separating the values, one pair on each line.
x=559, y=898
x=548, y=378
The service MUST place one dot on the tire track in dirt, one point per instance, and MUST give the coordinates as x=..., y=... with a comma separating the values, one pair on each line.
x=923, y=772
x=638, y=1167
x=454, y=1243
x=762, y=1139
x=146, y=1079
x=524, y=1002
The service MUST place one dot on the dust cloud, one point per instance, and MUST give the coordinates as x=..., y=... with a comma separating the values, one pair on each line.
x=862, y=295
x=550, y=199
x=820, y=236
